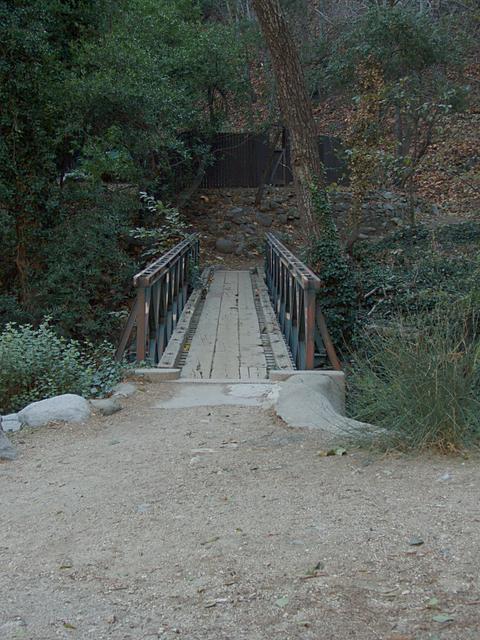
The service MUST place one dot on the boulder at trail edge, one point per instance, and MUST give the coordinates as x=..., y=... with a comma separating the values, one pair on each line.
x=65, y=408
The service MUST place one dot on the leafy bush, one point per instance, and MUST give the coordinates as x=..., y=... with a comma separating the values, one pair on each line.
x=338, y=293
x=35, y=363
x=167, y=227
x=87, y=271
x=402, y=39
x=416, y=269
x=420, y=381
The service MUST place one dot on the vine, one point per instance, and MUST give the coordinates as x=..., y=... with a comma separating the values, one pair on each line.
x=338, y=292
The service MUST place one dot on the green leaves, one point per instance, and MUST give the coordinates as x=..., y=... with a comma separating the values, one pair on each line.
x=398, y=38
x=38, y=364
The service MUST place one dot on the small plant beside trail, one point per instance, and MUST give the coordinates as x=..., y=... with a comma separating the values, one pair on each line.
x=36, y=364
x=166, y=227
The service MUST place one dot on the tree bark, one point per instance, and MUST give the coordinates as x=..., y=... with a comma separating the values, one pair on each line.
x=296, y=109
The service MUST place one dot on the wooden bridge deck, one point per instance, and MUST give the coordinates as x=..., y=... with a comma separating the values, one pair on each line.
x=227, y=329
x=227, y=343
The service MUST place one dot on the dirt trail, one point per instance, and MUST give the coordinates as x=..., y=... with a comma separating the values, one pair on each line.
x=207, y=524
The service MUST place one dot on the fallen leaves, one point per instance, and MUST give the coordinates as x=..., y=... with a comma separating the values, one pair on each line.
x=338, y=451
x=69, y=626
x=210, y=541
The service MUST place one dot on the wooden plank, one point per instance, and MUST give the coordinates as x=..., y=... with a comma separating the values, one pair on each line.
x=282, y=357
x=227, y=344
x=226, y=360
x=252, y=356
x=177, y=341
x=199, y=360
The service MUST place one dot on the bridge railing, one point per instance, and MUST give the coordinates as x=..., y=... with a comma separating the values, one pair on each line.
x=162, y=291
x=295, y=291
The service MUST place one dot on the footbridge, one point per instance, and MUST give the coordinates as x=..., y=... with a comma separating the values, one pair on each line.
x=220, y=324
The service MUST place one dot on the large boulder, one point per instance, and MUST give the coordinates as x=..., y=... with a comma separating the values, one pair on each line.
x=316, y=400
x=225, y=245
x=264, y=219
x=7, y=450
x=66, y=408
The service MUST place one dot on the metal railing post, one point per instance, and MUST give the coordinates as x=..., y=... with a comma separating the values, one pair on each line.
x=294, y=291
x=162, y=291
x=141, y=325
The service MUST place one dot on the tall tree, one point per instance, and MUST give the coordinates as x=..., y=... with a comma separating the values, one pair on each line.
x=296, y=109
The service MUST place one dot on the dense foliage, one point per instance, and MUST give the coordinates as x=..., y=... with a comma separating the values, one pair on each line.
x=338, y=280
x=417, y=268
x=37, y=364
x=415, y=367
x=102, y=93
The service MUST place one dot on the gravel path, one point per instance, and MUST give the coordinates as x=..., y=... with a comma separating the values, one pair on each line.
x=221, y=523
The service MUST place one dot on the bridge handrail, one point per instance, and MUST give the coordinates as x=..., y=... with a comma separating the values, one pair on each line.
x=162, y=288
x=294, y=291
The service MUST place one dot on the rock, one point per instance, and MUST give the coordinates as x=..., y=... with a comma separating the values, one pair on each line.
x=397, y=221
x=239, y=220
x=388, y=195
x=106, y=406
x=10, y=423
x=124, y=389
x=225, y=245
x=240, y=249
x=445, y=476
x=237, y=215
x=293, y=214
x=143, y=508
x=282, y=218
x=7, y=450
x=264, y=219
x=316, y=400
x=66, y=408
x=341, y=206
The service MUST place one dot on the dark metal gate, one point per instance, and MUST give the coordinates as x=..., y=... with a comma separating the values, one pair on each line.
x=241, y=159
x=248, y=160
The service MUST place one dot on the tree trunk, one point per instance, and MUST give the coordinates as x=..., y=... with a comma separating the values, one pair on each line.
x=296, y=109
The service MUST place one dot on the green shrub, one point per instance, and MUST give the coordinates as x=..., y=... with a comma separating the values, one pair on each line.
x=325, y=257
x=35, y=363
x=87, y=271
x=420, y=380
x=415, y=269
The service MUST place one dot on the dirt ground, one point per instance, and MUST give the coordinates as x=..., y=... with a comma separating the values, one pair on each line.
x=222, y=523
